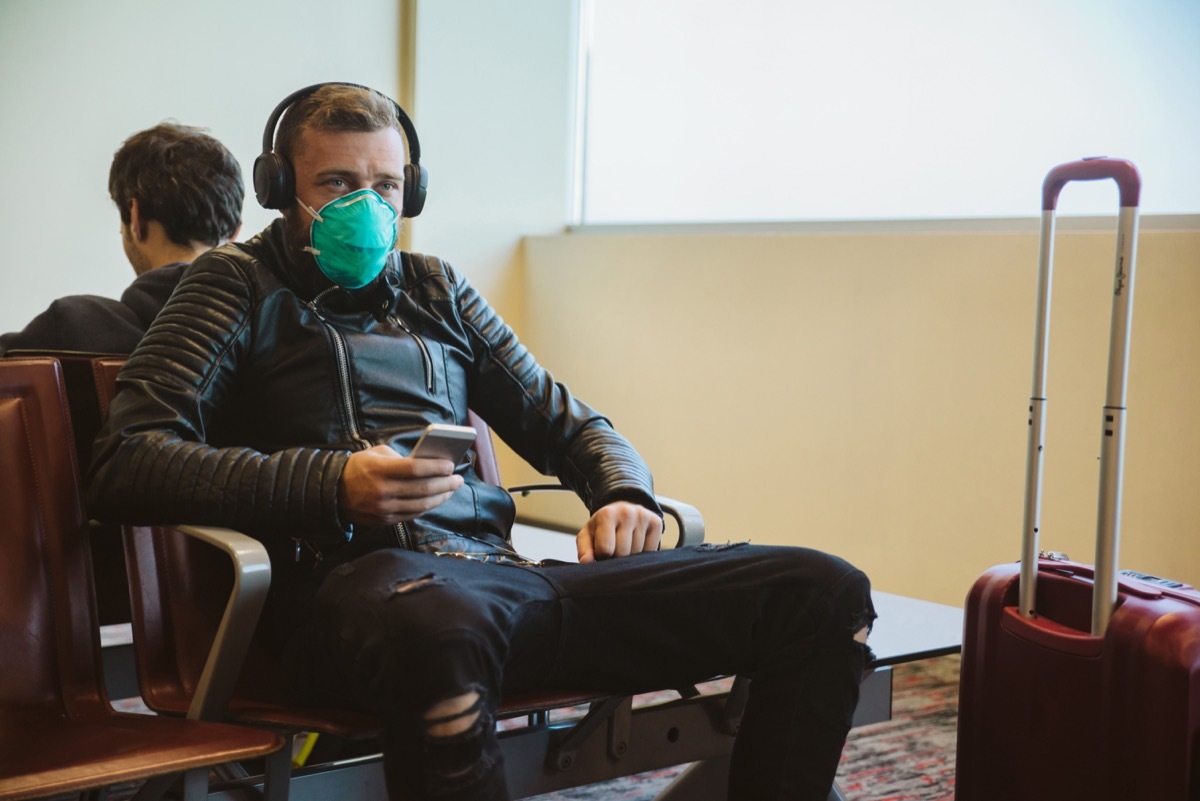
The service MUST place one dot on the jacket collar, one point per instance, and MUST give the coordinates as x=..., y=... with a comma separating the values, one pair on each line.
x=304, y=277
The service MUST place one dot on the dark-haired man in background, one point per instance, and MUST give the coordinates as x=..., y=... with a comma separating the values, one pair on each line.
x=180, y=193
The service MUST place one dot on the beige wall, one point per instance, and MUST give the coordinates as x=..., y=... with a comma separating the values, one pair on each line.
x=866, y=393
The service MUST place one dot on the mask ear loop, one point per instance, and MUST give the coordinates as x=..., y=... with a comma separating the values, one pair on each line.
x=315, y=215
x=316, y=219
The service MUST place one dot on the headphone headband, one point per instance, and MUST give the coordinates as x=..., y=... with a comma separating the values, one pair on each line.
x=274, y=181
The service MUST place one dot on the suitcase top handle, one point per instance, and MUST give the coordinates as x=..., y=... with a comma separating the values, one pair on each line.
x=1093, y=169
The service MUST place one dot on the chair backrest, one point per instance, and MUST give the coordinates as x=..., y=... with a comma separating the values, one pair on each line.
x=486, y=465
x=103, y=375
x=80, y=387
x=86, y=412
x=176, y=585
x=180, y=585
x=49, y=639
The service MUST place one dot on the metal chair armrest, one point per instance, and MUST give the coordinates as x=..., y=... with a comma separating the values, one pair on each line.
x=687, y=518
x=251, y=579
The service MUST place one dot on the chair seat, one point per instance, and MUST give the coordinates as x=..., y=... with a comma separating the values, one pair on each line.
x=339, y=722
x=354, y=725
x=359, y=725
x=45, y=756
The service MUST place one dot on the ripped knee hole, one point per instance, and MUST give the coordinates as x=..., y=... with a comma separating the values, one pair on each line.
x=455, y=715
x=405, y=586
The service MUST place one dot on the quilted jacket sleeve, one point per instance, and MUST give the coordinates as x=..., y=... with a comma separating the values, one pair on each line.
x=542, y=421
x=152, y=462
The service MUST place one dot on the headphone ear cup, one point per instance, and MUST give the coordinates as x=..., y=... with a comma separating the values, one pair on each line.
x=416, y=179
x=273, y=181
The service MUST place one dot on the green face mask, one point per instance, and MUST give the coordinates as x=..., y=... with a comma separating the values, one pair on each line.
x=352, y=236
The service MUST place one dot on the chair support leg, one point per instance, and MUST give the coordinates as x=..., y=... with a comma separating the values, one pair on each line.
x=602, y=711
x=277, y=775
x=195, y=785
x=155, y=788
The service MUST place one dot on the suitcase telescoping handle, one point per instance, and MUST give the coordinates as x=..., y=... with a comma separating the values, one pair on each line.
x=1112, y=440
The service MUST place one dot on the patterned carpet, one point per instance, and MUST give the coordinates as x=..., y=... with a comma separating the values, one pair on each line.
x=908, y=758
x=911, y=756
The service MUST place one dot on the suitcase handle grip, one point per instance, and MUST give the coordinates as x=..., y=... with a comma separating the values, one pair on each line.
x=1048, y=634
x=1093, y=169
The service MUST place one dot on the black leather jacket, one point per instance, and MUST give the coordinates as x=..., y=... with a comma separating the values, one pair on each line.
x=259, y=377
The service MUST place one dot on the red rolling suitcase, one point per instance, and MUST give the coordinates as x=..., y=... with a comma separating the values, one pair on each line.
x=1080, y=682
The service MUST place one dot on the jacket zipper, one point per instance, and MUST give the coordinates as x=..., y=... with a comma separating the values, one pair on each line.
x=426, y=358
x=343, y=366
x=402, y=535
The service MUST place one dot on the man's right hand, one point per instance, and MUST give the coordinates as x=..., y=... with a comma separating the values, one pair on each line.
x=380, y=487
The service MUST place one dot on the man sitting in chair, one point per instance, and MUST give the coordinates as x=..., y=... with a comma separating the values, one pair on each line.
x=179, y=192
x=280, y=392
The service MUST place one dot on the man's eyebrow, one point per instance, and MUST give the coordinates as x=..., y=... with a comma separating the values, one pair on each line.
x=336, y=172
x=341, y=172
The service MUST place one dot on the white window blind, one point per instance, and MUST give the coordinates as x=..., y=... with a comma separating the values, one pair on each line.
x=768, y=110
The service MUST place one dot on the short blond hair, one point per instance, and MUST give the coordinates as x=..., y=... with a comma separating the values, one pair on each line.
x=335, y=107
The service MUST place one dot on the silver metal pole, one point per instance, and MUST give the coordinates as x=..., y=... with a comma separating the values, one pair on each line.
x=1112, y=440
x=1035, y=455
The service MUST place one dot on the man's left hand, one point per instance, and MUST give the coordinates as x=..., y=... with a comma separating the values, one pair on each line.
x=618, y=529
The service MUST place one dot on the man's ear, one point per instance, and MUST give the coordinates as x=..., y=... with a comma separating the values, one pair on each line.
x=137, y=223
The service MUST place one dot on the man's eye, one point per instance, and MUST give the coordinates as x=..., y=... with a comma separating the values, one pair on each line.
x=389, y=186
x=336, y=183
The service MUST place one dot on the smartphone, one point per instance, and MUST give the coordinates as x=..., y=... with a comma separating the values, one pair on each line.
x=441, y=441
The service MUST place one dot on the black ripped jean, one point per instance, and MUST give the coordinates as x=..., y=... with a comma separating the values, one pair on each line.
x=396, y=632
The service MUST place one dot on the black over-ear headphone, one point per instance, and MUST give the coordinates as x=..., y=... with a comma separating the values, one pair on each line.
x=275, y=183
